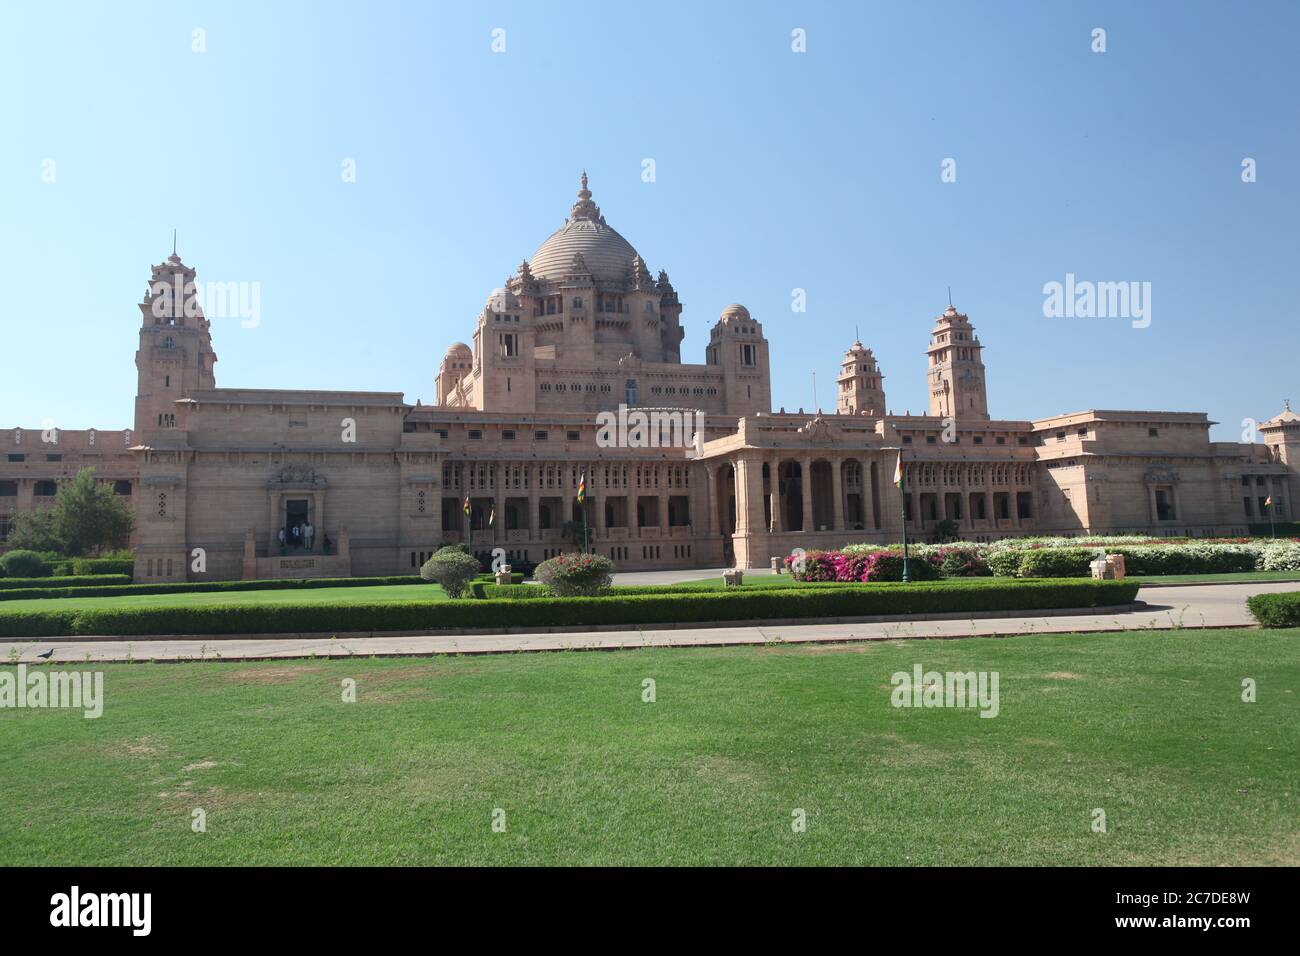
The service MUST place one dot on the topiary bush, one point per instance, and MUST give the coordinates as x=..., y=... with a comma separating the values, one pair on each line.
x=1056, y=563
x=1004, y=562
x=962, y=563
x=1275, y=610
x=576, y=575
x=24, y=564
x=452, y=569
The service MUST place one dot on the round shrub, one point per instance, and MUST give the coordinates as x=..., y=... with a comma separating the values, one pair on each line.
x=24, y=564
x=1056, y=563
x=962, y=563
x=1275, y=610
x=576, y=575
x=888, y=566
x=1004, y=562
x=451, y=568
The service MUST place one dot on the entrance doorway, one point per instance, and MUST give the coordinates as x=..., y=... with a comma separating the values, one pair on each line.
x=295, y=516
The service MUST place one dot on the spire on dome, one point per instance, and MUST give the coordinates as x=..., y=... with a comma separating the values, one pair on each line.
x=584, y=208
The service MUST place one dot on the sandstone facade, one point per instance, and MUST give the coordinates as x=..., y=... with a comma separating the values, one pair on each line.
x=575, y=372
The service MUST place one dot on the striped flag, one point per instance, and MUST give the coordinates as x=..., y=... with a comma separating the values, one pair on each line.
x=1268, y=502
x=582, y=488
x=898, y=472
x=466, y=508
x=492, y=516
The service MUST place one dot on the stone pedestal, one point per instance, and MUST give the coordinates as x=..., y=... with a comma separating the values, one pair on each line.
x=503, y=574
x=733, y=578
x=778, y=565
x=1109, y=568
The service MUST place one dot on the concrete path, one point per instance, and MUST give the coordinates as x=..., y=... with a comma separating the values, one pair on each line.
x=1196, y=606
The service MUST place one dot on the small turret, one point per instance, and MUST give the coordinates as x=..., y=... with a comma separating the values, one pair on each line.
x=862, y=389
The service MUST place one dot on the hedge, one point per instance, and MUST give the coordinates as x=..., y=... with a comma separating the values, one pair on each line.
x=99, y=566
x=618, y=609
x=1276, y=610
x=61, y=585
x=91, y=586
x=1281, y=529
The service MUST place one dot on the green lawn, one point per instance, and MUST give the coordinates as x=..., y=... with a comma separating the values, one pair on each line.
x=340, y=595
x=1149, y=726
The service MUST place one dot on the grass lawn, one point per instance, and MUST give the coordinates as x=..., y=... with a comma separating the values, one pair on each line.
x=342, y=595
x=1149, y=726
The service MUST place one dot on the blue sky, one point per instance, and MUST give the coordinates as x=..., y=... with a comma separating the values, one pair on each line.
x=774, y=171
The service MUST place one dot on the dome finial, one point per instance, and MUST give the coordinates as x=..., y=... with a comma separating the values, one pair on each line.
x=584, y=208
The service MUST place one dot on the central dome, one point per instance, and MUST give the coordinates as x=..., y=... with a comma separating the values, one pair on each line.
x=605, y=253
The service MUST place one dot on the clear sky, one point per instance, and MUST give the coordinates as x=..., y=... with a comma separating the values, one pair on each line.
x=775, y=170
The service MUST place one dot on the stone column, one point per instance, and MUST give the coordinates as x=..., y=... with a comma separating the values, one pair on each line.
x=594, y=480
x=989, y=515
x=498, y=505
x=867, y=497
x=805, y=465
x=774, y=491
x=1151, y=505
x=837, y=496
x=918, y=517
x=711, y=484
x=534, y=501
x=661, y=470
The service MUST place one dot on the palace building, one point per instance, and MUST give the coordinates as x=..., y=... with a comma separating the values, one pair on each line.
x=226, y=482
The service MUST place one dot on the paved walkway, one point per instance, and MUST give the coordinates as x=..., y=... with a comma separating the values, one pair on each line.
x=1196, y=606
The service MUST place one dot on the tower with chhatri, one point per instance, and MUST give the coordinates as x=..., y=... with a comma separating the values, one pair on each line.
x=862, y=388
x=175, y=356
x=956, y=372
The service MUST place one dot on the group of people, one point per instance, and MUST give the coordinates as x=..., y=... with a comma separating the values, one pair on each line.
x=301, y=535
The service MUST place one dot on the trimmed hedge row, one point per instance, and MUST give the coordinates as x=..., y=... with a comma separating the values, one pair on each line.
x=840, y=601
x=531, y=592
x=94, y=566
x=37, y=588
x=1281, y=529
x=61, y=584
x=1275, y=610
x=1138, y=560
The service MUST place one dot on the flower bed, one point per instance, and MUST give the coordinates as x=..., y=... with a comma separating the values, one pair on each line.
x=1062, y=557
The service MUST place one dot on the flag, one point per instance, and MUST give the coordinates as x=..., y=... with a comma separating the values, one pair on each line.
x=1268, y=502
x=582, y=488
x=898, y=472
x=492, y=516
x=466, y=507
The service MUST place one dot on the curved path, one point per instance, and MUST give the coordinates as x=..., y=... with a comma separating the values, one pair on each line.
x=1203, y=605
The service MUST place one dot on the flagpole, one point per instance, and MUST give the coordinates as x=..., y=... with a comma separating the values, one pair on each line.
x=902, y=505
